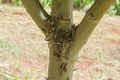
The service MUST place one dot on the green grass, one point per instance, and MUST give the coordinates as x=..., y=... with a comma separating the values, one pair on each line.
x=9, y=46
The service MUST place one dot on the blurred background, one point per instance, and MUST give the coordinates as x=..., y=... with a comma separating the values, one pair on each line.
x=24, y=54
x=78, y=4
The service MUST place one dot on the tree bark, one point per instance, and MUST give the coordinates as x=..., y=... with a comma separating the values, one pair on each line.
x=35, y=10
x=64, y=53
x=89, y=22
x=64, y=38
x=60, y=63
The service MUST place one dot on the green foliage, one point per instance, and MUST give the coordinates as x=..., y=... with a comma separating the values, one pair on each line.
x=81, y=3
x=78, y=4
x=16, y=2
x=117, y=7
x=114, y=9
x=111, y=11
x=0, y=1
x=46, y=3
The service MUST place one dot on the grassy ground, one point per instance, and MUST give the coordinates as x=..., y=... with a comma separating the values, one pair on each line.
x=24, y=52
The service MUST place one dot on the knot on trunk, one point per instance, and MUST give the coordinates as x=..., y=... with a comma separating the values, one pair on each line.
x=60, y=39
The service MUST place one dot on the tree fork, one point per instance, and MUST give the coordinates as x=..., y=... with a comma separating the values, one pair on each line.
x=89, y=22
x=59, y=42
x=64, y=39
x=60, y=63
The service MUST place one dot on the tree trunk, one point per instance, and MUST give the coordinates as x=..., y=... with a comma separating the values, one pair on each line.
x=61, y=63
x=64, y=38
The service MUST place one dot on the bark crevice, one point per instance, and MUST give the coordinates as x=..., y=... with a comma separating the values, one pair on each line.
x=64, y=39
x=59, y=39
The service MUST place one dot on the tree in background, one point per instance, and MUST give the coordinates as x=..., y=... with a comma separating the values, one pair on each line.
x=80, y=4
x=7, y=1
x=117, y=7
x=64, y=38
x=13, y=2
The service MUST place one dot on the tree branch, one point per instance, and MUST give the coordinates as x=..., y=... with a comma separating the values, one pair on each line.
x=63, y=9
x=42, y=9
x=89, y=22
x=34, y=11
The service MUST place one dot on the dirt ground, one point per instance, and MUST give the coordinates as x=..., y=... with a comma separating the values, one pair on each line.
x=24, y=52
